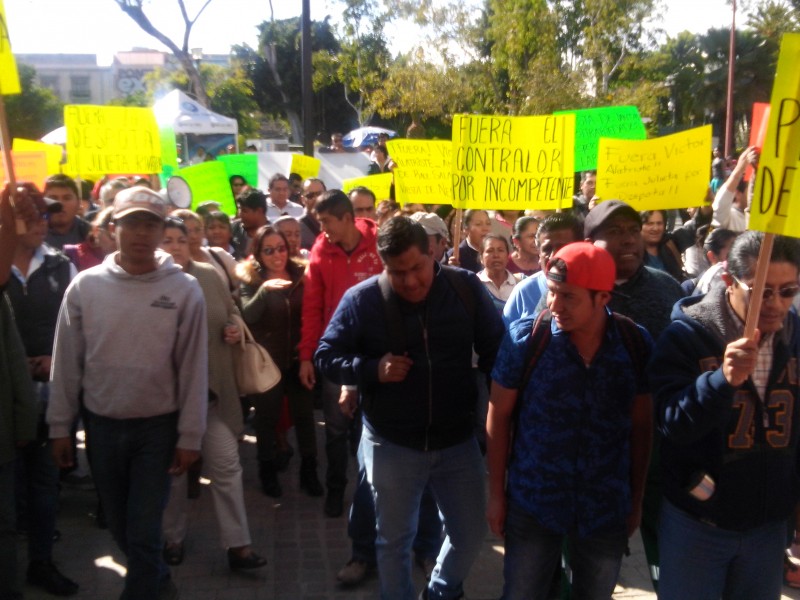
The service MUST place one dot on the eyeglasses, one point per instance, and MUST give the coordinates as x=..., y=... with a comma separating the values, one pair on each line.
x=786, y=293
x=312, y=195
x=269, y=251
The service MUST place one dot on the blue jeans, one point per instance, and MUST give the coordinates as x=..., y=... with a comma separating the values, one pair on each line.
x=361, y=523
x=398, y=476
x=700, y=561
x=130, y=458
x=532, y=555
x=9, y=582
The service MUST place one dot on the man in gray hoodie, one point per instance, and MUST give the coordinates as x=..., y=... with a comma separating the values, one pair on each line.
x=131, y=337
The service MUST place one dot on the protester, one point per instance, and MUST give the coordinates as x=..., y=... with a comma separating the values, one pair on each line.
x=525, y=257
x=582, y=203
x=238, y=185
x=418, y=397
x=220, y=448
x=554, y=232
x=717, y=245
x=504, y=221
x=252, y=212
x=342, y=257
x=218, y=230
x=381, y=163
x=224, y=264
x=660, y=251
x=278, y=203
x=476, y=227
x=289, y=227
x=144, y=403
x=730, y=437
x=313, y=188
x=18, y=414
x=437, y=233
x=273, y=293
x=363, y=200
x=582, y=431
x=99, y=244
x=730, y=203
x=495, y=276
x=65, y=226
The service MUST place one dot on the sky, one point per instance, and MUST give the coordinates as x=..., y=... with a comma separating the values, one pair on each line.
x=100, y=27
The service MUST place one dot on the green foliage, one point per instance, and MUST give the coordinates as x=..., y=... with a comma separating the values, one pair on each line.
x=35, y=111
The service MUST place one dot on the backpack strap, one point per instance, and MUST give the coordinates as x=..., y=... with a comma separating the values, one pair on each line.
x=633, y=340
x=394, y=318
x=537, y=343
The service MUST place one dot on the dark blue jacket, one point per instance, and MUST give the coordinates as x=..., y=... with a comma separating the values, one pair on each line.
x=434, y=407
x=749, y=447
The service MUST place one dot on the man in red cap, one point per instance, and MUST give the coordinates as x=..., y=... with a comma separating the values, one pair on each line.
x=574, y=381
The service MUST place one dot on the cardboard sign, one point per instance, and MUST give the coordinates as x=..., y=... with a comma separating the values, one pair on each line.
x=53, y=152
x=9, y=78
x=379, y=184
x=662, y=173
x=775, y=207
x=423, y=174
x=513, y=163
x=758, y=131
x=209, y=181
x=112, y=139
x=28, y=166
x=305, y=166
x=591, y=124
x=244, y=165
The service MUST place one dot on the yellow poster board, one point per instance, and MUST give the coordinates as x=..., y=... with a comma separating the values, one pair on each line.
x=379, y=184
x=305, y=166
x=423, y=173
x=54, y=152
x=513, y=163
x=667, y=172
x=28, y=166
x=9, y=78
x=112, y=139
x=775, y=207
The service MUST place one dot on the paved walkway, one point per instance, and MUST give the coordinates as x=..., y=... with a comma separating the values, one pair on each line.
x=304, y=549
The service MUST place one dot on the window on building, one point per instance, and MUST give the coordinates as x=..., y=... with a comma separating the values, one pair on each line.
x=80, y=90
x=50, y=82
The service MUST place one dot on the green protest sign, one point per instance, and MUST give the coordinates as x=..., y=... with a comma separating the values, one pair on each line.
x=617, y=122
x=209, y=181
x=244, y=165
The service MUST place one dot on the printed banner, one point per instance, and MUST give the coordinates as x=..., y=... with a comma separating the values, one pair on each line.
x=245, y=165
x=305, y=166
x=662, y=173
x=513, y=163
x=9, y=78
x=775, y=207
x=28, y=166
x=379, y=184
x=423, y=174
x=618, y=122
x=209, y=181
x=112, y=139
x=54, y=152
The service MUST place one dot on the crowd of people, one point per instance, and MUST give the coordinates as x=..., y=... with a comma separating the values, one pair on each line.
x=592, y=361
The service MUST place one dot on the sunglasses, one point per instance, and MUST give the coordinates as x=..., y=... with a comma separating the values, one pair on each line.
x=268, y=251
x=787, y=293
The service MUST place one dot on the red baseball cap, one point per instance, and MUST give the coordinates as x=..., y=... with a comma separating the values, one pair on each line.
x=585, y=265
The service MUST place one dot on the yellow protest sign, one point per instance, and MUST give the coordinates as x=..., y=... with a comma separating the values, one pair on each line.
x=54, y=152
x=305, y=166
x=379, y=184
x=775, y=207
x=28, y=166
x=423, y=173
x=513, y=163
x=112, y=139
x=667, y=172
x=9, y=78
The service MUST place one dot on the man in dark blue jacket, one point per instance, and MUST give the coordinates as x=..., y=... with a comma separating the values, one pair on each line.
x=405, y=338
x=727, y=407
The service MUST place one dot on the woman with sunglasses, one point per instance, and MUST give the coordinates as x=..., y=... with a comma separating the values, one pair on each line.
x=272, y=300
x=220, y=446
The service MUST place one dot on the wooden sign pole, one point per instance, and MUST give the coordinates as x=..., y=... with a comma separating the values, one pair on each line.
x=5, y=139
x=457, y=233
x=757, y=295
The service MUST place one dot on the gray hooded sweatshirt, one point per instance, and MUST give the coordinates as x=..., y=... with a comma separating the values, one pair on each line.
x=137, y=347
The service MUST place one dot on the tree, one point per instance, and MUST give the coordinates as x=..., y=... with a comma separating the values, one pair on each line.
x=35, y=111
x=135, y=10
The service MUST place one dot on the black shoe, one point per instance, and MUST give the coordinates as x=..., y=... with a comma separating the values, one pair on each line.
x=173, y=554
x=334, y=503
x=44, y=574
x=309, y=482
x=269, y=479
x=251, y=561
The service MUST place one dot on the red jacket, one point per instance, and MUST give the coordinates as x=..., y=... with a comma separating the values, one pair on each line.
x=331, y=272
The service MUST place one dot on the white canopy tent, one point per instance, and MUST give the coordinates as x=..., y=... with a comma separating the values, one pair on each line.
x=188, y=116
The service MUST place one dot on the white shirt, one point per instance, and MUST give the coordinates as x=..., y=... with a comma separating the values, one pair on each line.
x=291, y=209
x=504, y=291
